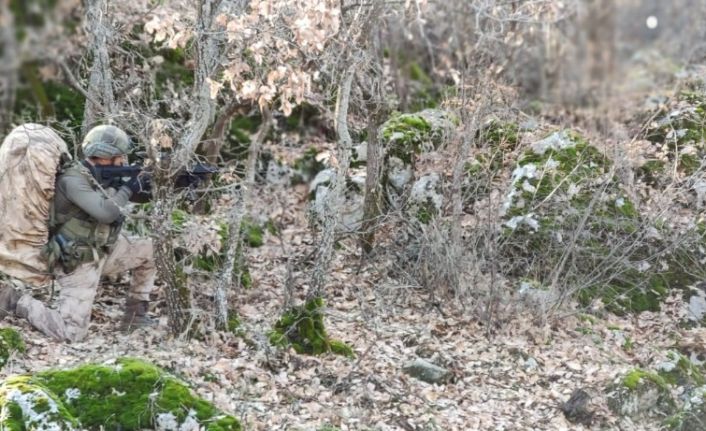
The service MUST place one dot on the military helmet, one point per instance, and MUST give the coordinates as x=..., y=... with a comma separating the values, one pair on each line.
x=106, y=142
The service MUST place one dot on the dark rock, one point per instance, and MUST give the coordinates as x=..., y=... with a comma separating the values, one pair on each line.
x=578, y=408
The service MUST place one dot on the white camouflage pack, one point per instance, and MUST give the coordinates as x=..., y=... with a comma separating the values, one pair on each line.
x=29, y=159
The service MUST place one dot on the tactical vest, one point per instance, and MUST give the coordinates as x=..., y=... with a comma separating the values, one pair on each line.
x=76, y=237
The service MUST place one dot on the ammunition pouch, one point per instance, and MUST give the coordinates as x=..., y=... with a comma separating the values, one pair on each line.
x=80, y=241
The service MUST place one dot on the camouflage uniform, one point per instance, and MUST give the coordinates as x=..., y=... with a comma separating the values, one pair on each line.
x=70, y=320
x=86, y=244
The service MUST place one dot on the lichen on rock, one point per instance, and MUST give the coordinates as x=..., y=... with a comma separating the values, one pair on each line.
x=25, y=404
x=639, y=393
x=426, y=198
x=406, y=135
x=673, y=390
x=127, y=394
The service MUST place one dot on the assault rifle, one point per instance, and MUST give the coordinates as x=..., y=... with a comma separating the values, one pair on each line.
x=188, y=178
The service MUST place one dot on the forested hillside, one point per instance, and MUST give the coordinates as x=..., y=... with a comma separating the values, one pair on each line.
x=455, y=215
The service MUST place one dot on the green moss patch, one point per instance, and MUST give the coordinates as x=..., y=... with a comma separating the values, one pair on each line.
x=504, y=135
x=635, y=378
x=128, y=395
x=253, y=232
x=406, y=135
x=234, y=322
x=10, y=342
x=302, y=328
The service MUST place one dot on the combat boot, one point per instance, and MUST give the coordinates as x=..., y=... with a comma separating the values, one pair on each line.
x=136, y=315
x=8, y=300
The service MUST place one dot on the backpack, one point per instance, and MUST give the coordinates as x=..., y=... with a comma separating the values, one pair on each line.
x=30, y=158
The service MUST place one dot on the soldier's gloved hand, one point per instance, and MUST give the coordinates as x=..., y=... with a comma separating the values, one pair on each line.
x=140, y=184
x=116, y=183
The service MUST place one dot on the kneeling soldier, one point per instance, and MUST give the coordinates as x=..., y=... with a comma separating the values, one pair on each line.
x=86, y=242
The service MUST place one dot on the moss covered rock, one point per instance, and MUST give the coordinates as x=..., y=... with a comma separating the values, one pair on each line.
x=426, y=198
x=350, y=211
x=678, y=137
x=641, y=393
x=128, y=394
x=678, y=370
x=407, y=135
x=404, y=137
x=28, y=405
x=566, y=221
x=10, y=342
x=556, y=184
x=302, y=328
x=674, y=390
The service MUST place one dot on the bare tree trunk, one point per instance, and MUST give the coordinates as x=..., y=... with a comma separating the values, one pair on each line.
x=208, y=58
x=177, y=292
x=9, y=65
x=241, y=197
x=325, y=251
x=100, y=84
x=373, y=186
x=600, y=26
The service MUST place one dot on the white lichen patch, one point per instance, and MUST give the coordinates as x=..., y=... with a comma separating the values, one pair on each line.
x=396, y=136
x=116, y=392
x=667, y=366
x=527, y=219
x=72, y=394
x=521, y=173
x=528, y=171
x=168, y=422
x=696, y=397
x=426, y=191
x=556, y=141
x=552, y=164
x=526, y=186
